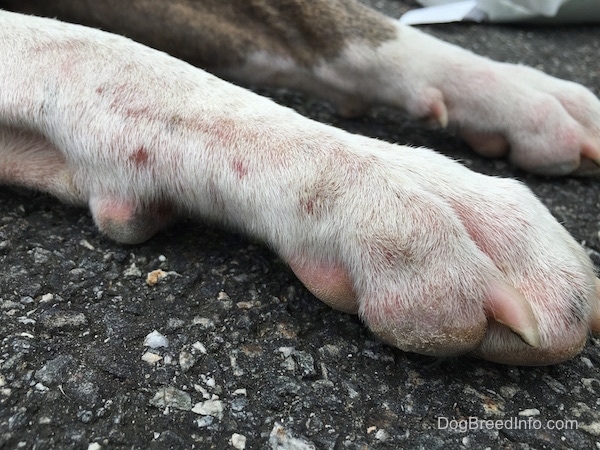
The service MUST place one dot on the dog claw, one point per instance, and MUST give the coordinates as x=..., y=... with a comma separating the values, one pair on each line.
x=590, y=160
x=508, y=307
x=440, y=113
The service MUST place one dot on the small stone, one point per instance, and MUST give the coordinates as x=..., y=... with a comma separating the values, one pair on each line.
x=151, y=358
x=55, y=370
x=200, y=347
x=175, y=324
x=205, y=421
x=205, y=394
x=10, y=305
x=305, y=362
x=155, y=276
x=26, y=320
x=212, y=408
x=208, y=380
x=62, y=320
x=186, y=361
x=86, y=244
x=41, y=255
x=204, y=322
x=156, y=340
x=529, y=412
x=287, y=351
x=281, y=439
x=85, y=416
x=382, y=435
x=244, y=305
x=4, y=247
x=94, y=446
x=27, y=300
x=132, y=271
x=172, y=398
x=238, y=441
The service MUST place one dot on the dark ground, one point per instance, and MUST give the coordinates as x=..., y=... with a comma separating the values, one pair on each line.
x=248, y=340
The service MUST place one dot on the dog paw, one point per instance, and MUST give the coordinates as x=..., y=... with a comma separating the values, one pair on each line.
x=452, y=263
x=542, y=124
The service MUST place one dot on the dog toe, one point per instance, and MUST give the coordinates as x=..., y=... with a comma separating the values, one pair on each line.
x=127, y=222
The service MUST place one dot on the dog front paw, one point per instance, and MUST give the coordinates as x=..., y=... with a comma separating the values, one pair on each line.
x=451, y=263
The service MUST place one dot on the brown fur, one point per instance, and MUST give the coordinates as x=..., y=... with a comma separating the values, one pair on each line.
x=217, y=34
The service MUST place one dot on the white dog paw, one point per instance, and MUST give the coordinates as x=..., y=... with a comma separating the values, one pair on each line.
x=452, y=263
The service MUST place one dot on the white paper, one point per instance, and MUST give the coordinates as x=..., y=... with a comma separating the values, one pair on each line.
x=541, y=11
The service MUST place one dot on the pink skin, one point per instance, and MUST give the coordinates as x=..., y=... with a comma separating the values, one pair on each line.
x=330, y=284
x=126, y=222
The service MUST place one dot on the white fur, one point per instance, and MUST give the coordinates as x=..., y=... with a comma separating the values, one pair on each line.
x=426, y=243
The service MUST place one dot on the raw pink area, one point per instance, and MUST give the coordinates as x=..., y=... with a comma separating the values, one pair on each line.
x=114, y=210
x=329, y=283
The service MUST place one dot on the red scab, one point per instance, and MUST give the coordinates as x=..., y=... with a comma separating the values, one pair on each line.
x=308, y=207
x=140, y=157
x=239, y=168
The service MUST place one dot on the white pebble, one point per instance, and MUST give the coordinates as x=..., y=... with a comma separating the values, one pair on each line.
x=212, y=408
x=156, y=340
x=238, y=441
x=200, y=347
x=151, y=358
x=186, y=361
x=529, y=412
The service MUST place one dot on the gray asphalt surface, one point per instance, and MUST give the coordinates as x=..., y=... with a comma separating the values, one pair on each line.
x=251, y=354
